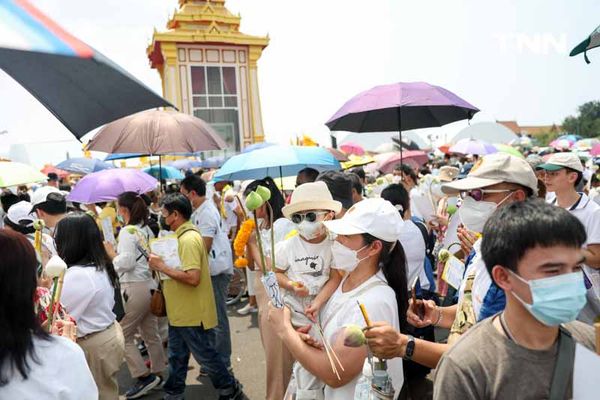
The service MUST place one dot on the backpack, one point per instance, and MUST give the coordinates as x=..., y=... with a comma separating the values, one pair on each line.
x=429, y=239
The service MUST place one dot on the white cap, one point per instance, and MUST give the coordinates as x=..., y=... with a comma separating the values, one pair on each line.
x=493, y=169
x=562, y=160
x=20, y=214
x=377, y=217
x=41, y=195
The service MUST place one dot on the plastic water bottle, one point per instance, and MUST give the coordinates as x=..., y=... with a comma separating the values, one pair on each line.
x=362, y=391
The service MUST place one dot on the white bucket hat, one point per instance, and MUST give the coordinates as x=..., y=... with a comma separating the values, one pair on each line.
x=377, y=217
x=311, y=196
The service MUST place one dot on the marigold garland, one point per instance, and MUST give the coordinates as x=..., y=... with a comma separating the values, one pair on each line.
x=240, y=241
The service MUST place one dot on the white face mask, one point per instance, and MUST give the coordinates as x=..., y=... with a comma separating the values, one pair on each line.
x=310, y=230
x=345, y=258
x=474, y=214
x=397, y=179
x=477, y=213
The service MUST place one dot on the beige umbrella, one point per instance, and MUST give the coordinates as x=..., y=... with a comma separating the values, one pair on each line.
x=157, y=132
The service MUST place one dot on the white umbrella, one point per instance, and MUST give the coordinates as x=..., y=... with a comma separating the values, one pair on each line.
x=491, y=132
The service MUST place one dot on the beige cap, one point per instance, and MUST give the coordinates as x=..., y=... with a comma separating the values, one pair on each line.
x=311, y=196
x=448, y=173
x=493, y=169
x=562, y=160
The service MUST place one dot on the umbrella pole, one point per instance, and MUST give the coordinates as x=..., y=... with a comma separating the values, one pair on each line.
x=160, y=174
x=281, y=178
x=400, y=134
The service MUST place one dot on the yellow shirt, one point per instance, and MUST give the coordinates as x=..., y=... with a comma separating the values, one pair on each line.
x=191, y=305
x=108, y=212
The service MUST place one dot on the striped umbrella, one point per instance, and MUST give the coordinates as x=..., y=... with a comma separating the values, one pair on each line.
x=589, y=43
x=80, y=86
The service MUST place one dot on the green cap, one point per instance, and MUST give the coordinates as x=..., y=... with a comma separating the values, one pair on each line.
x=550, y=167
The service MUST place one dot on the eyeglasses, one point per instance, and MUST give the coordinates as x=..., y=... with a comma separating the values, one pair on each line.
x=310, y=216
x=479, y=194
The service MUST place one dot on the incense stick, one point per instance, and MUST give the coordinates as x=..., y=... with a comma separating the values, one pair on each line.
x=363, y=310
x=331, y=362
x=326, y=343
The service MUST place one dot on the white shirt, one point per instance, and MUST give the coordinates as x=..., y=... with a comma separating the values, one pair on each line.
x=282, y=227
x=481, y=283
x=305, y=262
x=587, y=212
x=413, y=244
x=60, y=373
x=208, y=221
x=89, y=297
x=342, y=310
x=130, y=264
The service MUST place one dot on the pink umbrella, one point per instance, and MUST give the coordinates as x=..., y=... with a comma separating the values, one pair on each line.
x=562, y=144
x=414, y=158
x=595, y=150
x=352, y=148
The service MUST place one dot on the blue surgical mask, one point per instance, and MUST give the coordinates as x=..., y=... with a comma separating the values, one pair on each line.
x=556, y=300
x=120, y=219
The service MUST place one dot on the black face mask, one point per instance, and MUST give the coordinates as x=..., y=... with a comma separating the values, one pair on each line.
x=163, y=223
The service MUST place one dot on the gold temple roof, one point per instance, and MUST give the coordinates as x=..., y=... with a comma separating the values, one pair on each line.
x=207, y=22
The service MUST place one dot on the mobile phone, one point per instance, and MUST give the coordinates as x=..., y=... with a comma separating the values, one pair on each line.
x=418, y=308
x=143, y=251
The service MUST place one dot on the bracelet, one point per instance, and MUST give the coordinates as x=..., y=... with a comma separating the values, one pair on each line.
x=440, y=315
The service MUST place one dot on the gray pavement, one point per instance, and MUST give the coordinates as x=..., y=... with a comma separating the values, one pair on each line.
x=248, y=361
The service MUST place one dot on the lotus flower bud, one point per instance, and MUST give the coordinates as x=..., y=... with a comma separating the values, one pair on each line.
x=263, y=192
x=444, y=255
x=55, y=267
x=253, y=201
x=451, y=209
x=38, y=224
x=354, y=336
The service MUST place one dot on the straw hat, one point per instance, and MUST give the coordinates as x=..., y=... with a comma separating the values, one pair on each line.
x=311, y=196
x=448, y=173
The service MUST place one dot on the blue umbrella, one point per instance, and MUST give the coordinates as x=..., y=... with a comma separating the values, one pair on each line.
x=276, y=161
x=164, y=172
x=257, y=146
x=570, y=137
x=213, y=162
x=83, y=166
x=122, y=156
x=186, y=164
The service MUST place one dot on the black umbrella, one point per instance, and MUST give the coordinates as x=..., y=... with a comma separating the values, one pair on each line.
x=80, y=86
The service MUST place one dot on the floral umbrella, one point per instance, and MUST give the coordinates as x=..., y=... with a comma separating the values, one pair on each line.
x=586, y=144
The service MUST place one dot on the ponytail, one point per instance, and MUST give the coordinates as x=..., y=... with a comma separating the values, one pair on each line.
x=138, y=210
x=392, y=261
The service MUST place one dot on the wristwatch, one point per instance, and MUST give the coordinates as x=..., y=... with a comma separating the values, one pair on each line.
x=410, y=348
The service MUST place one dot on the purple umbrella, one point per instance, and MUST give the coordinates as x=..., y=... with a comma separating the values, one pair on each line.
x=108, y=184
x=400, y=107
x=473, y=146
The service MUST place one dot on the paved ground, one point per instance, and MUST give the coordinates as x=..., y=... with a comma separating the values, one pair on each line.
x=248, y=363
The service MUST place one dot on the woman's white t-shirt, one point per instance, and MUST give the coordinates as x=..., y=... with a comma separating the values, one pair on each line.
x=61, y=372
x=342, y=310
x=89, y=297
x=130, y=264
x=413, y=244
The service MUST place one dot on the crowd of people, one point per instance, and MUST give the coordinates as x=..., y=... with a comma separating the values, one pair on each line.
x=475, y=278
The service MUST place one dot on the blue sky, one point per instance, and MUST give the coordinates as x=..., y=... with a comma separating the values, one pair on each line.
x=507, y=57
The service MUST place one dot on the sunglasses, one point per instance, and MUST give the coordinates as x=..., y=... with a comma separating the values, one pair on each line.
x=479, y=194
x=310, y=216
